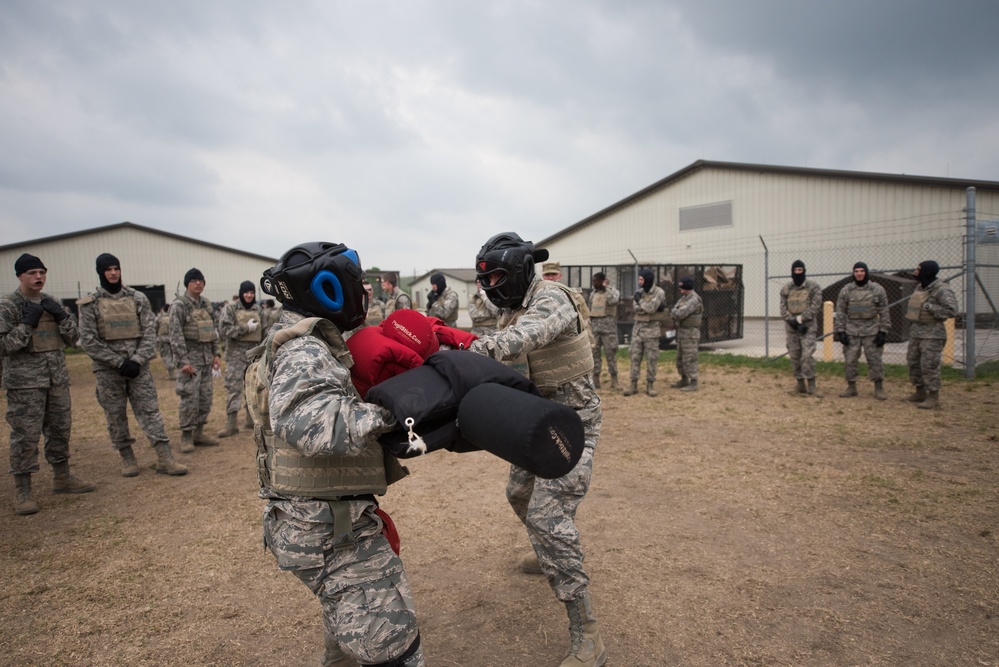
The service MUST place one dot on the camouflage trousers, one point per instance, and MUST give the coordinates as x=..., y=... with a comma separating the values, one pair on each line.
x=872, y=353
x=483, y=331
x=547, y=507
x=924, y=357
x=649, y=347
x=604, y=338
x=367, y=604
x=235, y=367
x=32, y=413
x=801, y=350
x=687, y=339
x=114, y=392
x=195, y=393
x=166, y=354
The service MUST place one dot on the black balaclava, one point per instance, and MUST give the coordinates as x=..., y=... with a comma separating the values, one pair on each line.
x=648, y=278
x=27, y=262
x=193, y=274
x=598, y=281
x=799, y=279
x=438, y=279
x=928, y=271
x=104, y=262
x=867, y=274
x=244, y=287
x=686, y=283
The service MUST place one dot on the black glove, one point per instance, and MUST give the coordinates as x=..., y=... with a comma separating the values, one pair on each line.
x=31, y=312
x=55, y=309
x=844, y=338
x=792, y=323
x=802, y=329
x=638, y=296
x=129, y=369
x=880, y=338
x=835, y=336
x=431, y=299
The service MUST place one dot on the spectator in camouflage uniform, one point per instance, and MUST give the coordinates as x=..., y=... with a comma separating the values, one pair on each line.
x=271, y=315
x=800, y=305
x=931, y=304
x=650, y=300
x=862, y=322
x=603, y=322
x=442, y=301
x=544, y=335
x=482, y=311
x=687, y=313
x=376, y=307
x=196, y=354
x=118, y=332
x=395, y=298
x=34, y=330
x=322, y=521
x=240, y=326
x=163, y=342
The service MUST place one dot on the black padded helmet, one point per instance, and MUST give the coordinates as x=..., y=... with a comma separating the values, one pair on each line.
x=322, y=280
x=514, y=258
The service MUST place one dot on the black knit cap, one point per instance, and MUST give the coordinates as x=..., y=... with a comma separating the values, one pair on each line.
x=686, y=283
x=862, y=265
x=798, y=278
x=244, y=287
x=105, y=261
x=193, y=274
x=928, y=271
x=27, y=262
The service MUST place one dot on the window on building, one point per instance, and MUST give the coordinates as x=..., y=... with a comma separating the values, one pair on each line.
x=706, y=216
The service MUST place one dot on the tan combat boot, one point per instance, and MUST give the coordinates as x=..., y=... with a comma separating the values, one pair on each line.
x=613, y=382
x=917, y=396
x=811, y=386
x=129, y=466
x=587, y=647
x=596, y=381
x=932, y=401
x=230, y=426
x=879, y=391
x=633, y=389
x=691, y=386
x=201, y=440
x=800, y=388
x=681, y=383
x=23, y=503
x=186, y=442
x=65, y=482
x=649, y=389
x=851, y=390
x=529, y=564
x=165, y=463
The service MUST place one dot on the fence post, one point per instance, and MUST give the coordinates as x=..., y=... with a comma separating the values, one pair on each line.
x=827, y=328
x=969, y=288
x=948, y=351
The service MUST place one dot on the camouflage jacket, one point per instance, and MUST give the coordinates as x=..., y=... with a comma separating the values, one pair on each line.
x=814, y=299
x=482, y=310
x=612, y=298
x=108, y=355
x=688, y=304
x=874, y=298
x=30, y=370
x=942, y=305
x=397, y=300
x=445, y=307
x=189, y=351
x=229, y=329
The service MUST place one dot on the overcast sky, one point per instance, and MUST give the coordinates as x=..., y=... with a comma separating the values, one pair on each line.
x=414, y=130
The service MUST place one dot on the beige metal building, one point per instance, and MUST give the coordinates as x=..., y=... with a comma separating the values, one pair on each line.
x=764, y=217
x=150, y=258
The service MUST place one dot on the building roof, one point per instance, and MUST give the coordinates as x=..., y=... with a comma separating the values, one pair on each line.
x=771, y=169
x=463, y=275
x=132, y=225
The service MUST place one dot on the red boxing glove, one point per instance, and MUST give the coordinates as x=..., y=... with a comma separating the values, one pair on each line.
x=377, y=358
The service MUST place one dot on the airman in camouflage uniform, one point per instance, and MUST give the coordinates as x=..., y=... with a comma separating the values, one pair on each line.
x=442, y=302
x=603, y=322
x=931, y=304
x=862, y=322
x=687, y=313
x=34, y=330
x=196, y=354
x=118, y=332
x=483, y=312
x=800, y=305
x=544, y=335
x=376, y=307
x=322, y=521
x=163, y=342
x=241, y=326
x=650, y=300
x=395, y=298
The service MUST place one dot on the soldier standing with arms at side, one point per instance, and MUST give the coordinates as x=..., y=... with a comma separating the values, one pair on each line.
x=395, y=298
x=483, y=312
x=196, y=355
x=376, y=307
x=800, y=304
x=322, y=521
x=34, y=331
x=862, y=323
x=442, y=301
x=240, y=325
x=603, y=323
x=687, y=314
x=931, y=304
x=545, y=336
x=163, y=342
x=118, y=332
x=649, y=314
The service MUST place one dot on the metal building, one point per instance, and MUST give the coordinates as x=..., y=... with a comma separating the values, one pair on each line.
x=151, y=259
x=764, y=217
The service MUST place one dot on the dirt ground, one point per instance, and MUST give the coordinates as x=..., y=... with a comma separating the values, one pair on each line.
x=740, y=525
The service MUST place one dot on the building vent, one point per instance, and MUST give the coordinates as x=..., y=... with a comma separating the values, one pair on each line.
x=705, y=216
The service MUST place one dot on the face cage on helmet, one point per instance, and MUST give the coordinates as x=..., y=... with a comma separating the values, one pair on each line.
x=499, y=294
